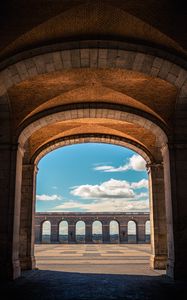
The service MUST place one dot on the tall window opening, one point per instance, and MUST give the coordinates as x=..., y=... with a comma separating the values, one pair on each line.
x=63, y=232
x=114, y=232
x=97, y=232
x=80, y=232
x=91, y=194
x=46, y=232
x=132, y=232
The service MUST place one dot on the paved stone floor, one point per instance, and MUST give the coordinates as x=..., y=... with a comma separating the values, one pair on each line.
x=96, y=258
x=94, y=272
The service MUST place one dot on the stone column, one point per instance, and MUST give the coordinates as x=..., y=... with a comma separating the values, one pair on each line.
x=88, y=236
x=54, y=232
x=10, y=198
x=106, y=232
x=175, y=174
x=141, y=232
x=123, y=232
x=71, y=233
x=157, y=216
x=38, y=237
x=27, y=230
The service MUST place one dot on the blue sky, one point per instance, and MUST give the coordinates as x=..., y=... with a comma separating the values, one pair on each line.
x=92, y=177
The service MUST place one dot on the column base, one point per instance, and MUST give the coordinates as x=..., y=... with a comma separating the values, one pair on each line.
x=10, y=270
x=170, y=270
x=158, y=262
x=28, y=263
x=176, y=270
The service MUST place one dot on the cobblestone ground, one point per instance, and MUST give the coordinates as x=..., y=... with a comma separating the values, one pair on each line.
x=94, y=272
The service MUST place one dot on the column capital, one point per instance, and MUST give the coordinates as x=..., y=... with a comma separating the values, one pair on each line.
x=13, y=147
x=154, y=165
x=88, y=223
x=174, y=145
x=33, y=167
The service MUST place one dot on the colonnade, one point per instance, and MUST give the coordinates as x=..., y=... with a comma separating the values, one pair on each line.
x=122, y=219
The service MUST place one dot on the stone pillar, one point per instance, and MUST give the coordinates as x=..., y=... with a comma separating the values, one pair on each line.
x=71, y=233
x=88, y=235
x=175, y=174
x=106, y=232
x=10, y=198
x=54, y=232
x=123, y=232
x=27, y=230
x=158, y=257
x=141, y=232
x=38, y=236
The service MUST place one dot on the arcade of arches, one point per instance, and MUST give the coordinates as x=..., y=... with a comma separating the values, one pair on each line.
x=55, y=225
x=93, y=71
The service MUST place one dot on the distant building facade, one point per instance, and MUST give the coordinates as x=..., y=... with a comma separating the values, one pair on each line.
x=56, y=234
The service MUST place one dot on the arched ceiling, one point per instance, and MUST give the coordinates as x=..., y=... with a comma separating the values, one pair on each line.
x=26, y=25
x=152, y=95
x=50, y=133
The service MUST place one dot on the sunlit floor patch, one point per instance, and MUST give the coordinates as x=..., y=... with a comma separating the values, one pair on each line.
x=98, y=258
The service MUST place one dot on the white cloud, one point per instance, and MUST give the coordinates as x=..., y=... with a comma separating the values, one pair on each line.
x=136, y=163
x=45, y=197
x=140, y=184
x=112, y=195
x=141, y=195
x=110, y=205
x=109, y=169
x=109, y=189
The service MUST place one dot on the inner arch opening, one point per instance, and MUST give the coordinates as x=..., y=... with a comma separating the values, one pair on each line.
x=93, y=185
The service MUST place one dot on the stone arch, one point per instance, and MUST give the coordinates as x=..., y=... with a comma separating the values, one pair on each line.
x=81, y=231
x=115, y=57
x=132, y=231
x=95, y=111
x=114, y=232
x=91, y=138
x=46, y=231
x=103, y=138
x=97, y=233
x=95, y=57
x=89, y=112
x=63, y=231
x=118, y=140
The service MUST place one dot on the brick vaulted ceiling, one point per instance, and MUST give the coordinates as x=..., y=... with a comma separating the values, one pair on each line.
x=83, y=85
x=91, y=126
x=115, y=86
x=33, y=23
x=27, y=25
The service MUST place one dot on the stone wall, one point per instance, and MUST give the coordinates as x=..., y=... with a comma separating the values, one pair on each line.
x=72, y=218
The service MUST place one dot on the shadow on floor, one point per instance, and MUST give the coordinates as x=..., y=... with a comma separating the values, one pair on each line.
x=54, y=285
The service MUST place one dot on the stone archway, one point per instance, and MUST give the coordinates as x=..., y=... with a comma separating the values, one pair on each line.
x=158, y=259
x=147, y=119
x=132, y=231
x=63, y=231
